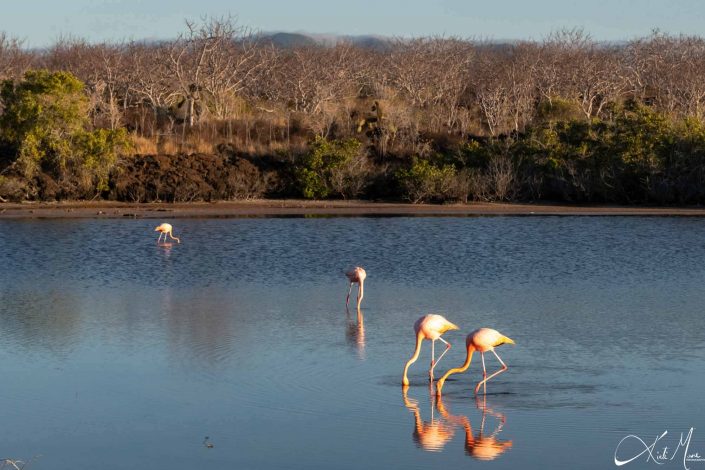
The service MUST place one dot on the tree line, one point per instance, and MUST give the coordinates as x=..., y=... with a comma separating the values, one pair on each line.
x=566, y=118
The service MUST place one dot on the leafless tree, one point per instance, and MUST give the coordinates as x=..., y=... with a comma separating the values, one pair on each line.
x=14, y=60
x=212, y=59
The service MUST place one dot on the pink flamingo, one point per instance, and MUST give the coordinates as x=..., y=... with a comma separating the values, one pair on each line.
x=483, y=339
x=356, y=274
x=166, y=229
x=429, y=327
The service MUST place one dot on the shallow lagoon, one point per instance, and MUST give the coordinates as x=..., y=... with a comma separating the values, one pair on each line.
x=118, y=353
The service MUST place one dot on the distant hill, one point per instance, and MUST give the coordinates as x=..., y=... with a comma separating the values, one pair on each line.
x=286, y=40
x=289, y=40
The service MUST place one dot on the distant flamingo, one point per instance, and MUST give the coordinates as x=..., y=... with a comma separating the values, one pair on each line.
x=429, y=327
x=356, y=274
x=483, y=339
x=165, y=229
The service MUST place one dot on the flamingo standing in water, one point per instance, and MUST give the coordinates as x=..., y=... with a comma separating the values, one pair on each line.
x=166, y=229
x=356, y=274
x=483, y=339
x=429, y=327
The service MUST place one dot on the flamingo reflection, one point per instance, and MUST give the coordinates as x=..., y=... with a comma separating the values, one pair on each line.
x=166, y=245
x=429, y=435
x=355, y=332
x=481, y=446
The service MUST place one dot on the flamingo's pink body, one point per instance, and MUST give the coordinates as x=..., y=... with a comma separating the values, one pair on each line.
x=166, y=229
x=356, y=275
x=482, y=340
x=429, y=327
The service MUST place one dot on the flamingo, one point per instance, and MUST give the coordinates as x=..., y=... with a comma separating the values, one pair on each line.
x=482, y=339
x=429, y=327
x=356, y=274
x=165, y=229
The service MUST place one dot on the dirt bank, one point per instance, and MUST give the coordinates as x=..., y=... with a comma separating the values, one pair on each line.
x=107, y=209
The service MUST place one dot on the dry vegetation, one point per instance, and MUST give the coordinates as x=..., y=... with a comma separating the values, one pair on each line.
x=436, y=118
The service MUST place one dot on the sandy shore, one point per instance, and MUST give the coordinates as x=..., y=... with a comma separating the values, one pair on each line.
x=105, y=209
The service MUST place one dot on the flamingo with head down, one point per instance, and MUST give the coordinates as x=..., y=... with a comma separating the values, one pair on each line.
x=356, y=274
x=166, y=229
x=483, y=339
x=429, y=327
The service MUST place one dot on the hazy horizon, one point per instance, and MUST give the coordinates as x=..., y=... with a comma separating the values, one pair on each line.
x=116, y=20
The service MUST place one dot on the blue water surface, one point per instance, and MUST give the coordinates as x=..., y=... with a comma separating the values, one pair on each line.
x=118, y=353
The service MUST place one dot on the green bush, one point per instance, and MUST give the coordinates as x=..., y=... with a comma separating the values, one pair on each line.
x=313, y=174
x=424, y=181
x=45, y=125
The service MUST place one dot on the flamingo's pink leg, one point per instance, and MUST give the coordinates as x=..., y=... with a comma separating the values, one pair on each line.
x=433, y=360
x=444, y=352
x=504, y=368
x=484, y=372
x=347, y=299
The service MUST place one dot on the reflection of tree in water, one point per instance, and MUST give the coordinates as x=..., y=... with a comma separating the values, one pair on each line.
x=200, y=325
x=38, y=320
x=355, y=332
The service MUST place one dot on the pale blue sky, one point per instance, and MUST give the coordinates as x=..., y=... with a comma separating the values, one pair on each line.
x=40, y=22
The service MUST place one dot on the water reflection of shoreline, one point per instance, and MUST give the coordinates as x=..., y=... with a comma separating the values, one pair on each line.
x=355, y=332
x=433, y=435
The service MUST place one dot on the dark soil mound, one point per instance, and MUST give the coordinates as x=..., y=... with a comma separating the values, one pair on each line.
x=184, y=178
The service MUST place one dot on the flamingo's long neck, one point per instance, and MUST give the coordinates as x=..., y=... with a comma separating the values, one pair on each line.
x=419, y=339
x=173, y=237
x=463, y=368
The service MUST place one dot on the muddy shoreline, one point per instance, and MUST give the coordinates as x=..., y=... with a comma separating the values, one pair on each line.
x=108, y=209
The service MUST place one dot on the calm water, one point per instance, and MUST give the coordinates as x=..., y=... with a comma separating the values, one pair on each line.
x=117, y=353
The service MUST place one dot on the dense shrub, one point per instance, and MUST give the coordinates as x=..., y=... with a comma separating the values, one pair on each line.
x=424, y=181
x=45, y=129
x=331, y=167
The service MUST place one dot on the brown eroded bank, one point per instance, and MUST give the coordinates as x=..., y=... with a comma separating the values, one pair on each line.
x=109, y=209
